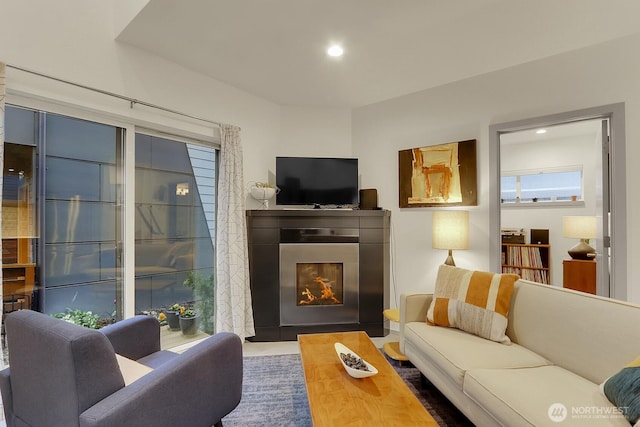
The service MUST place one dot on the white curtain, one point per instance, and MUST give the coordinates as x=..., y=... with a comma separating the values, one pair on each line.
x=2, y=68
x=233, y=295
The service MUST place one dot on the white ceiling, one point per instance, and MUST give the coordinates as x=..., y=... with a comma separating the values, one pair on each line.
x=585, y=129
x=276, y=48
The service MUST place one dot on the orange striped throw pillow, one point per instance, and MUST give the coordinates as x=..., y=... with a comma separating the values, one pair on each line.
x=474, y=301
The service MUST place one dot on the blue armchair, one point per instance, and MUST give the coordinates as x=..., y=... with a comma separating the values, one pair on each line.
x=61, y=374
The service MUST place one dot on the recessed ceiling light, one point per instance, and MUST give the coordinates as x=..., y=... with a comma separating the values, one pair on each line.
x=541, y=131
x=335, y=50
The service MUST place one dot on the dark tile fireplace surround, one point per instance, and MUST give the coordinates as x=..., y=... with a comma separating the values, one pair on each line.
x=316, y=270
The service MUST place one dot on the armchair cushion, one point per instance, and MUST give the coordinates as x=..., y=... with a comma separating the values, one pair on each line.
x=158, y=358
x=131, y=370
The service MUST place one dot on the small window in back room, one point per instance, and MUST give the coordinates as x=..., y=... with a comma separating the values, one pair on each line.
x=542, y=186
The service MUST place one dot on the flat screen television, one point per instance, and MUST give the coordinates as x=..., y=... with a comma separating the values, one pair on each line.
x=317, y=181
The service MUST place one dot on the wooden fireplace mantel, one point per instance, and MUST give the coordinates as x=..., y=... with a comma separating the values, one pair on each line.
x=268, y=228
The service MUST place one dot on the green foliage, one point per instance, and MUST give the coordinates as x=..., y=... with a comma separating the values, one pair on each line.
x=264, y=185
x=188, y=313
x=80, y=317
x=204, y=292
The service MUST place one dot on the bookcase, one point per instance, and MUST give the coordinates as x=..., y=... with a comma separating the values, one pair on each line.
x=531, y=262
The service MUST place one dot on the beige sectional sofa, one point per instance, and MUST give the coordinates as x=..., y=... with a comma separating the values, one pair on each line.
x=564, y=344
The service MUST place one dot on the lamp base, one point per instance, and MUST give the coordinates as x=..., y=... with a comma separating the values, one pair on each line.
x=582, y=251
x=449, y=260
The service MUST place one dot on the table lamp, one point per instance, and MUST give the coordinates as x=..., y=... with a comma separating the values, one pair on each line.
x=450, y=231
x=583, y=228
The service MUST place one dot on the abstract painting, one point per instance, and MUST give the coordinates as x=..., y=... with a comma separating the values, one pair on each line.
x=438, y=175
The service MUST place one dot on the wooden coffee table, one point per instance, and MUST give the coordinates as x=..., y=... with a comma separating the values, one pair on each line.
x=336, y=399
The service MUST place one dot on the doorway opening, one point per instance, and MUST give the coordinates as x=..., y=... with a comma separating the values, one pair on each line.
x=600, y=162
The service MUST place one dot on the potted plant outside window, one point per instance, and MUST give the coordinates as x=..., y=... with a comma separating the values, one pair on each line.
x=173, y=317
x=189, y=322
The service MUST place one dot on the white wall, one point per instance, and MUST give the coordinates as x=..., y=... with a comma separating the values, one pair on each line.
x=550, y=154
x=594, y=76
x=315, y=132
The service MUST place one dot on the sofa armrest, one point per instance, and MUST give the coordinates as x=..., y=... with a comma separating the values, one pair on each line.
x=203, y=384
x=136, y=337
x=413, y=308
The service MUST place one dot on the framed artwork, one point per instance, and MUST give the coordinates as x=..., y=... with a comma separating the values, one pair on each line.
x=438, y=175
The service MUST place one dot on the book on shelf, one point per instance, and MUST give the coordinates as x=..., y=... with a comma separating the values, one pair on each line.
x=526, y=261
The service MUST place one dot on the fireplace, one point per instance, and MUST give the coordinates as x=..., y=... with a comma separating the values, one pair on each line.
x=318, y=283
x=318, y=270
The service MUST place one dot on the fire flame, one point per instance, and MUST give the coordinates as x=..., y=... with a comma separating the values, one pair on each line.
x=309, y=295
x=326, y=293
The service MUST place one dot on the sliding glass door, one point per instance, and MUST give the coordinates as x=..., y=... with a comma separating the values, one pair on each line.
x=74, y=189
x=66, y=176
x=174, y=227
x=82, y=221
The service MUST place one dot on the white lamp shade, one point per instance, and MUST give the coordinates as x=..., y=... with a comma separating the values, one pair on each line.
x=450, y=230
x=579, y=227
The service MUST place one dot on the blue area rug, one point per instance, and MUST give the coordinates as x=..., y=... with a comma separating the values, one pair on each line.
x=274, y=393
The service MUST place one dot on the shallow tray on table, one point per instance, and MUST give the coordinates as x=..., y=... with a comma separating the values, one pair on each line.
x=355, y=373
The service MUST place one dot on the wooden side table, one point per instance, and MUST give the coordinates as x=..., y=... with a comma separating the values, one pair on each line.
x=579, y=275
x=392, y=349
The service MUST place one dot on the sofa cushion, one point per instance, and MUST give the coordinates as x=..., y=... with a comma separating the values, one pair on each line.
x=454, y=351
x=623, y=390
x=474, y=301
x=541, y=396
